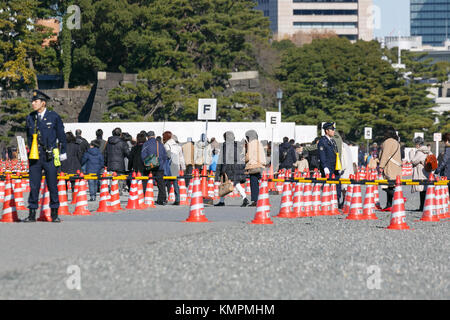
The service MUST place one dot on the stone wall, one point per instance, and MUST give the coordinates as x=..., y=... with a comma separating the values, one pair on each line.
x=89, y=105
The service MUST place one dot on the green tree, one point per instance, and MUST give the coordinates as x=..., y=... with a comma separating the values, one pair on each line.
x=12, y=120
x=20, y=43
x=351, y=84
x=183, y=50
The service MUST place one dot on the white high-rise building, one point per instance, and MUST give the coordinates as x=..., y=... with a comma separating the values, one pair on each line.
x=352, y=19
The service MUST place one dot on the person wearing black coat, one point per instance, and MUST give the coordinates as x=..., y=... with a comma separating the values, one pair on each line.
x=73, y=162
x=287, y=155
x=116, y=152
x=232, y=163
x=135, y=163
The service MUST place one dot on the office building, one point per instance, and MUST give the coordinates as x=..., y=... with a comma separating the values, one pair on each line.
x=347, y=18
x=430, y=19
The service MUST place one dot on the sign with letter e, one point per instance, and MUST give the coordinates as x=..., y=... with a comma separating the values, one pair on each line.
x=368, y=133
x=207, y=109
x=273, y=119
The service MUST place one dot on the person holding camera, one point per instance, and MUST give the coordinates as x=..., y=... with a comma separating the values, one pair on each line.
x=49, y=128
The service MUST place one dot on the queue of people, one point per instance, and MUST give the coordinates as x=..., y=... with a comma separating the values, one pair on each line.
x=56, y=150
x=123, y=154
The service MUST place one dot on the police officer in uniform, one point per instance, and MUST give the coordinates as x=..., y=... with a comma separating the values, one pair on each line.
x=49, y=127
x=327, y=153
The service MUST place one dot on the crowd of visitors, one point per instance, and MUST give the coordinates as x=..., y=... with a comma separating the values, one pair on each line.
x=239, y=159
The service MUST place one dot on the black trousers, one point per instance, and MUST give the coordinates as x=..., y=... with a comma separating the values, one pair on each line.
x=158, y=175
x=389, y=195
x=187, y=173
x=51, y=174
x=254, y=186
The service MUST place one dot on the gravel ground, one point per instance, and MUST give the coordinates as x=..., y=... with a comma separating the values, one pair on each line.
x=306, y=258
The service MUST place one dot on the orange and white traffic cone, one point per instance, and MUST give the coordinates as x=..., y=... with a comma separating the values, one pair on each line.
x=439, y=192
x=27, y=185
x=279, y=185
x=204, y=182
x=369, y=204
x=63, y=209
x=248, y=190
x=104, y=205
x=216, y=190
x=348, y=198
x=447, y=200
x=398, y=215
x=307, y=207
x=298, y=195
x=196, y=210
x=429, y=208
x=149, y=198
x=115, y=194
x=141, y=202
x=9, y=213
x=171, y=194
x=75, y=191
x=81, y=207
x=45, y=213
x=183, y=190
x=271, y=183
x=286, y=202
x=326, y=201
x=316, y=201
x=262, y=215
x=18, y=195
x=356, y=207
x=211, y=186
x=133, y=198
x=334, y=199
x=2, y=191
x=190, y=188
x=377, y=194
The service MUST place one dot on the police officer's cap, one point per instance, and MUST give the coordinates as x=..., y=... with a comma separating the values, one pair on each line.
x=39, y=95
x=328, y=125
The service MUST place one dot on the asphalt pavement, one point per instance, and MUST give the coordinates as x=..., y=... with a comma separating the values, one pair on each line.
x=154, y=254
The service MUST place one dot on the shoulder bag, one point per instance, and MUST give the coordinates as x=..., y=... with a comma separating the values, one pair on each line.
x=226, y=186
x=151, y=162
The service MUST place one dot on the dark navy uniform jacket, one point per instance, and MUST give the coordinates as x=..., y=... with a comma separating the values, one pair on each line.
x=51, y=129
x=327, y=154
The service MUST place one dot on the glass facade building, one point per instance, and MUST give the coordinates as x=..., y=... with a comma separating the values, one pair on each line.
x=431, y=20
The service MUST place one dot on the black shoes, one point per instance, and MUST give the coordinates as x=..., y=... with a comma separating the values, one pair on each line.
x=220, y=204
x=176, y=203
x=92, y=199
x=161, y=203
x=31, y=216
x=54, y=215
x=253, y=204
x=245, y=202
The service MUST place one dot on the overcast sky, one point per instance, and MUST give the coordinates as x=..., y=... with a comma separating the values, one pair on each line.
x=393, y=17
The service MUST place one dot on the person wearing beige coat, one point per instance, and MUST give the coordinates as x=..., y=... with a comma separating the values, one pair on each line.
x=418, y=157
x=255, y=162
x=390, y=162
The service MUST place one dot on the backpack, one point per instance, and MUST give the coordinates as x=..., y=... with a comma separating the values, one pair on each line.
x=431, y=163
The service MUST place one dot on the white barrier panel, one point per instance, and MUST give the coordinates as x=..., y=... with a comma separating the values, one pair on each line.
x=407, y=151
x=354, y=150
x=183, y=130
x=305, y=134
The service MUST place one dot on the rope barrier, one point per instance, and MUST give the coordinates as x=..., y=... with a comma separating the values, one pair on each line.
x=93, y=176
